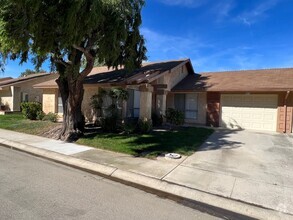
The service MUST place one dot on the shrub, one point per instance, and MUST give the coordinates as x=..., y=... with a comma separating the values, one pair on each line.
x=40, y=115
x=157, y=119
x=174, y=116
x=30, y=110
x=53, y=117
x=145, y=126
x=109, y=124
x=129, y=125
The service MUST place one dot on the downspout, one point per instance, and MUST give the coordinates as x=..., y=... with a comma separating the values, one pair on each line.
x=285, y=106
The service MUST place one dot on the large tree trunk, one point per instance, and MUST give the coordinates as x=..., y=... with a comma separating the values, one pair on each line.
x=73, y=120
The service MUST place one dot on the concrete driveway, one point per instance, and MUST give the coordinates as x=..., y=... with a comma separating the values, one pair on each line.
x=251, y=166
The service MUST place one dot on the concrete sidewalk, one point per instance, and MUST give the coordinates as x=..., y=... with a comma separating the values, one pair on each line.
x=173, y=177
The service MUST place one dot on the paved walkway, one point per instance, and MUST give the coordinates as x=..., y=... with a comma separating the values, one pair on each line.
x=190, y=172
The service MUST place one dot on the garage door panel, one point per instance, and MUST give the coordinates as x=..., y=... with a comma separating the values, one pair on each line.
x=249, y=111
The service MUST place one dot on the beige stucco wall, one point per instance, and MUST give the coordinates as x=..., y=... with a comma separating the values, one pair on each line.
x=16, y=98
x=50, y=100
x=145, y=110
x=33, y=93
x=161, y=104
x=174, y=77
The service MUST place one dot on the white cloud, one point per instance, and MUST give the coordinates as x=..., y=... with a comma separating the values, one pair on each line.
x=205, y=56
x=163, y=46
x=258, y=13
x=186, y=3
x=222, y=9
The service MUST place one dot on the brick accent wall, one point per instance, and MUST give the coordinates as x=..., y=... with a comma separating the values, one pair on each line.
x=213, y=109
x=285, y=111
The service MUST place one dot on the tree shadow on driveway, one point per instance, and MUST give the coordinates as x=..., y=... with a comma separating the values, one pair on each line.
x=220, y=139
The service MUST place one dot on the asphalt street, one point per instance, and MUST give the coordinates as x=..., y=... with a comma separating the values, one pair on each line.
x=34, y=188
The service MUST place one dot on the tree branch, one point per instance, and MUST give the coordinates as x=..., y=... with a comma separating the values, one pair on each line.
x=61, y=61
x=86, y=52
x=89, y=66
x=89, y=56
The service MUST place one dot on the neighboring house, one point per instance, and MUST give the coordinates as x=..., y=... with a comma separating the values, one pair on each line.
x=15, y=91
x=5, y=78
x=252, y=99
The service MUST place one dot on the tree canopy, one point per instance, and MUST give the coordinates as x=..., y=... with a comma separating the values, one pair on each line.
x=107, y=29
x=71, y=33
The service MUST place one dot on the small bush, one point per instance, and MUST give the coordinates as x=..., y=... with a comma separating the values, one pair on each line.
x=145, y=126
x=30, y=110
x=157, y=119
x=130, y=125
x=109, y=124
x=40, y=115
x=53, y=117
x=174, y=116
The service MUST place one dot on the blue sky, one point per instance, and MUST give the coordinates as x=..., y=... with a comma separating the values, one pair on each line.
x=215, y=34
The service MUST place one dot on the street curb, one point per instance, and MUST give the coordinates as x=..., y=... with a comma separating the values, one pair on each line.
x=202, y=200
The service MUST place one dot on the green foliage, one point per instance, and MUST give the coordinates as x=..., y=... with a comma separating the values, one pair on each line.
x=29, y=72
x=145, y=126
x=40, y=115
x=109, y=124
x=118, y=94
x=129, y=125
x=31, y=110
x=109, y=113
x=174, y=116
x=157, y=119
x=67, y=30
x=184, y=141
x=16, y=122
x=97, y=101
x=53, y=117
x=73, y=35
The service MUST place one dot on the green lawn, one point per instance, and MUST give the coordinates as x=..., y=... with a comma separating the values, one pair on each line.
x=184, y=141
x=16, y=122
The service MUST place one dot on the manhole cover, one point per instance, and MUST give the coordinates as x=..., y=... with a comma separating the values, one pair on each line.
x=173, y=156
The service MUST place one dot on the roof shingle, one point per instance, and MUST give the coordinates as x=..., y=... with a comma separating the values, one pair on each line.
x=280, y=79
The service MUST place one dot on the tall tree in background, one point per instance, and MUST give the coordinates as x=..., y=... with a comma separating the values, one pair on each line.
x=70, y=32
x=29, y=72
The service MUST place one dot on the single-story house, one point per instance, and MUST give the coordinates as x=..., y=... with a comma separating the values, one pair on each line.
x=250, y=99
x=17, y=90
x=147, y=87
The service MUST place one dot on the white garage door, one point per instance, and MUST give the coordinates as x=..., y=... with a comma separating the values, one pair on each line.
x=257, y=112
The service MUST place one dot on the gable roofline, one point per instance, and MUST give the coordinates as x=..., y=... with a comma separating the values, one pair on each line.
x=16, y=81
x=147, y=73
x=148, y=77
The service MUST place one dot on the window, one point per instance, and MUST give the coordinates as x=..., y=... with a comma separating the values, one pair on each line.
x=60, y=105
x=188, y=104
x=191, y=106
x=37, y=98
x=24, y=97
x=133, y=103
